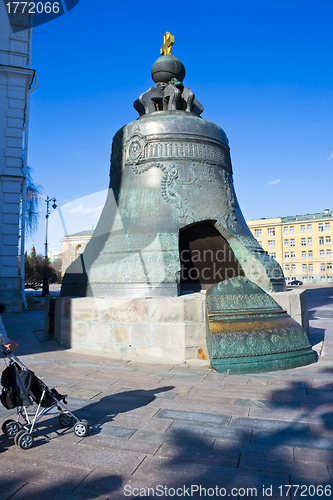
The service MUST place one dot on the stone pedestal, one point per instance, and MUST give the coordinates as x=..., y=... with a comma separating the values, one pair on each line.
x=160, y=329
x=169, y=330
x=296, y=304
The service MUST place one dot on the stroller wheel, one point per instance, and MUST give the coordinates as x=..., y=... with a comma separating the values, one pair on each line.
x=65, y=419
x=10, y=428
x=81, y=429
x=20, y=433
x=25, y=441
x=86, y=422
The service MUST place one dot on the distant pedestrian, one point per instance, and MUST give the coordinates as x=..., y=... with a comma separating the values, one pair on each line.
x=4, y=339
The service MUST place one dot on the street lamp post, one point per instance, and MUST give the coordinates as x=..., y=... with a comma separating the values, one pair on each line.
x=45, y=279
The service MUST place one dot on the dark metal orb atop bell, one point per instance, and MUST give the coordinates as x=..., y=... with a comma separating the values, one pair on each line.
x=167, y=67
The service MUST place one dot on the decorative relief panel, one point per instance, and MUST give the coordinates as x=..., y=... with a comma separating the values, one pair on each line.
x=187, y=149
x=232, y=303
x=259, y=343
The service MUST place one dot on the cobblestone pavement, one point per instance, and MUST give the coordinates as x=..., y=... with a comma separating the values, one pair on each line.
x=161, y=430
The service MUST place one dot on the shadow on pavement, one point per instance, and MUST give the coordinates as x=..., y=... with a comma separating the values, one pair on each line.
x=204, y=455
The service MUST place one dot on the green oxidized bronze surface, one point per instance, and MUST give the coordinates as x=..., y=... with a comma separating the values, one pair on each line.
x=170, y=170
x=249, y=332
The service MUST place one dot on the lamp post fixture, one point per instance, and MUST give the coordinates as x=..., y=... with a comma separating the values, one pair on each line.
x=45, y=279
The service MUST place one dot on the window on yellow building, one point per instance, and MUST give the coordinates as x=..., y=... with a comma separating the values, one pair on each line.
x=271, y=243
x=291, y=230
x=286, y=256
x=257, y=233
x=271, y=231
x=286, y=268
x=302, y=229
x=292, y=242
x=309, y=228
x=272, y=254
x=304, y=268
x=285, y=230
x=321, y=240
x=293, y=268
x=310, y=254
x=328, y=240
x=328, y=253
x=321, y=254
x=320, y=227
x=303, y=255
x=310, y=242
x=310, y=268
x=327, y=226
x=303, y=242
x=330, y=279
x=322, y=267
x=329, y=266
x=292, y=255
x=286, y=243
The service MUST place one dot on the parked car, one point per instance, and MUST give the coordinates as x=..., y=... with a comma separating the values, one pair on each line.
x=295, y=282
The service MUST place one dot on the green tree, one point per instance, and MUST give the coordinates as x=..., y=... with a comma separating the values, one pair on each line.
x=35, y=269
x=33, y=197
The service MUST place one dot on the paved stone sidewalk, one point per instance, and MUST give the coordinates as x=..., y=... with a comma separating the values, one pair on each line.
x=165, y=427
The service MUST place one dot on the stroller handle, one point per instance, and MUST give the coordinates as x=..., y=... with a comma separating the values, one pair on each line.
x=8, y=352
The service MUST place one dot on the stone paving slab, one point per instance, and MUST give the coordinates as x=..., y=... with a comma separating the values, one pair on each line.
x=52, y=492
x=172, y=438
x=195, y=454
x=321, y=429
x=83, y=454
x=213, y=408
x=155, y=393
x=320, y=443
x=39, y=472
x=315, y=456
x=199, y=397
x=189, y=416
x=276, y=426
x=114, y=431
x=143, y=423
x=262, y=403
x=8, y=488
x=217, y=431
x=105, y=440
x=299, y=469
x=278, y=452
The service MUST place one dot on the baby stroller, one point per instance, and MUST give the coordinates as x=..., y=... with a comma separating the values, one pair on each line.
x=21, y=389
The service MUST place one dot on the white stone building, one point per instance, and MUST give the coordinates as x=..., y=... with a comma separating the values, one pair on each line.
x=72, y=246
x=16, y=85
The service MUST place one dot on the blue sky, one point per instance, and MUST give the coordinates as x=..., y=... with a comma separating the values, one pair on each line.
x=261, y=68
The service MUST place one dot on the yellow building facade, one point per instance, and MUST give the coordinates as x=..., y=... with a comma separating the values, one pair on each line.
x=72, y=246
x=301, y=244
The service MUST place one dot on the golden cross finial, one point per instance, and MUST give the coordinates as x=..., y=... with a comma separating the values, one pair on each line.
x=169, y=40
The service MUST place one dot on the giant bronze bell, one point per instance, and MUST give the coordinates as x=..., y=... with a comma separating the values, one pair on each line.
x=171, y=223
